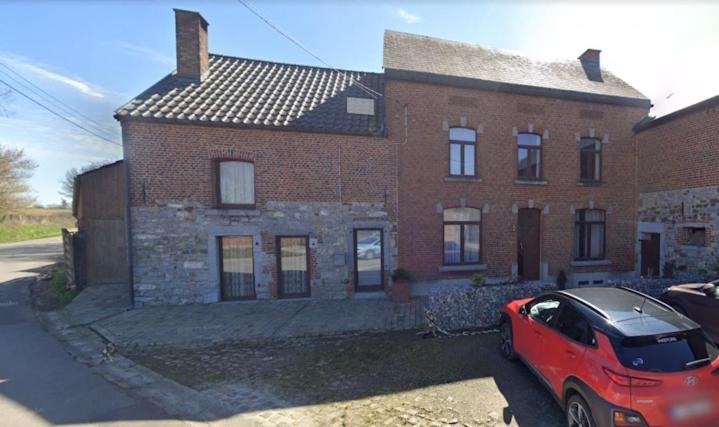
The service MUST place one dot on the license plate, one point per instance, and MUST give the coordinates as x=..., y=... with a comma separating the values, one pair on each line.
x=691, y=410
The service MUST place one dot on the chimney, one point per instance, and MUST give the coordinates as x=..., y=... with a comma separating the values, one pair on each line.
x=590, y=57
x=193, y=61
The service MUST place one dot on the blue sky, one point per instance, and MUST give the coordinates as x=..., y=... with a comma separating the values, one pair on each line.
x=97, y=56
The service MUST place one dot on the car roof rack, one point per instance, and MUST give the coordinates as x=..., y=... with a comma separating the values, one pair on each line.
x=589, y=305
x=649, y=297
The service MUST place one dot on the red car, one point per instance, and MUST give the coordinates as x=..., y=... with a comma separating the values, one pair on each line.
x=614, y=357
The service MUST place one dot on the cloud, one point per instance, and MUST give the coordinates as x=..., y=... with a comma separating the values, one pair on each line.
x=408, y=17
x=44, y=72
x=146, y=52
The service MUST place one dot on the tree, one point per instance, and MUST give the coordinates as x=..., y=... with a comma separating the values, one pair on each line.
x=15, y=170
x=67, y=183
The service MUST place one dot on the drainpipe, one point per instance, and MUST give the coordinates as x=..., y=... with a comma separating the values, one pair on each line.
x=128, y=221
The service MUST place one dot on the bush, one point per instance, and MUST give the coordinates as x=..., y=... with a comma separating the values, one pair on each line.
x=478, y=280
x=59, y=286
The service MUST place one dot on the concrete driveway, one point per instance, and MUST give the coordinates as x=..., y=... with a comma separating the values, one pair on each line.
x=40, y=384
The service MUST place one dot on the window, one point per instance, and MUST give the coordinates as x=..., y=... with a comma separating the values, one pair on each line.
x=590, y=160
x=462, y=236
x=544, y=309
x=696, y=236
x=368, y=259
x=573, y=325
x=589, y=234
x=462, y=157
x=235, y=184
x=293, y=266
x=529, y=156
x=236, y=268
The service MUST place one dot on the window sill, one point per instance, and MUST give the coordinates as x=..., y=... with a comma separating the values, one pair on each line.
x=232, y=212
x=462, y=179
x=530, y=181
x=590, y=263
x=461, y=268
x=591, y=184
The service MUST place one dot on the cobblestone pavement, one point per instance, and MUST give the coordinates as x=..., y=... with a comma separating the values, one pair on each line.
x=197, y=326
x=382, y=380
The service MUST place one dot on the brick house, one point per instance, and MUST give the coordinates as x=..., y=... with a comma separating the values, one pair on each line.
x=678, y=187
x=253, y=179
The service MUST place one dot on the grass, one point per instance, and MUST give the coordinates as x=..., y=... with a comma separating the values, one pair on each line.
x=32, y=223
x=59, y=287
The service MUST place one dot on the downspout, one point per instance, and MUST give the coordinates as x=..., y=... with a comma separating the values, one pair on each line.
x=128, y=221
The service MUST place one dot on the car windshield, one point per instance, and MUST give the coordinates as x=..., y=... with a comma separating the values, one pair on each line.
x=666, y=353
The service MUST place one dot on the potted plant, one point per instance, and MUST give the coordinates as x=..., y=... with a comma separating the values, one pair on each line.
x=478, y=280
x=400, y=286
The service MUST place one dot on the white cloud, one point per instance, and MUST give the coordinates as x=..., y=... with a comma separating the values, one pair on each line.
x=408, y=17
x=43, y=71
x=146, y=52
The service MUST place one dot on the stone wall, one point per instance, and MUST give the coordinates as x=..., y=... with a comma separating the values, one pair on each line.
x=676, y=212
x=175, y=247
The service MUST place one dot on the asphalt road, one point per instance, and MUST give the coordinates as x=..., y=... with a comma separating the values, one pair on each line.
x=40, y=384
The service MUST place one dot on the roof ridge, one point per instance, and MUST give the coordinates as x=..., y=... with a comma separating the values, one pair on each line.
x=342, y=70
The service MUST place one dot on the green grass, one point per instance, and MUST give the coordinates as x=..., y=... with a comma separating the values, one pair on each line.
x=59, y=286
x=16, y=232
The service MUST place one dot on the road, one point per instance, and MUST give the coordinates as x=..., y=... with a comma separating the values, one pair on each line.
x=40, y=384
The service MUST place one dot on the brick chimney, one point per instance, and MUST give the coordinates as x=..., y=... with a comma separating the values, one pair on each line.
x=590, y=57
x=193, y=60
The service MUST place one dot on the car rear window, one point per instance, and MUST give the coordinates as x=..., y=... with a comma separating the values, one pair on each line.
x=666, y=353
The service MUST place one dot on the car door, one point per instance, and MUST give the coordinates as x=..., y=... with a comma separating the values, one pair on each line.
x=566, y=345
x=703, y=309
x=541, y=314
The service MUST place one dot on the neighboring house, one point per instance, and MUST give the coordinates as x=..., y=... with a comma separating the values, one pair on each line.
x=255, y=179
x=98, y=203
x=678, y=185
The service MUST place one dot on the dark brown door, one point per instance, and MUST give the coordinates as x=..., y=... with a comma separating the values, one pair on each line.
x=528, y=244
x=293, y=266
x=650, y=254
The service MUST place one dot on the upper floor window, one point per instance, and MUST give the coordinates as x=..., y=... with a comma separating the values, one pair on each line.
x=235, y=184
x=462, y=236
x=590, y=160
x=589, y=234
x=529, y=156
x=462, y=152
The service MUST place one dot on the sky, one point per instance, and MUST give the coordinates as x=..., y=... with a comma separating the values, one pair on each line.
x=96, y=56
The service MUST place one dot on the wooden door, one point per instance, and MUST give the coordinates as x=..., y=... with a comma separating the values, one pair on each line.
x=528, y=244
x=650, y=254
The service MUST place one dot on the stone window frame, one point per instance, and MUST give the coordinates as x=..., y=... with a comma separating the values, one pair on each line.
x=216, y=163
x=596, y=152
x=461, y=235
x=579, y=223
x=540, y=175
x=462, y=144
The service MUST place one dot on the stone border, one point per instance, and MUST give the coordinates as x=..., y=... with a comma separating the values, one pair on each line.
x=177, y=400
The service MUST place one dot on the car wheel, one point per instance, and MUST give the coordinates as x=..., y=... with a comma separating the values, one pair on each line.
x=578, y=413
x=506, y=346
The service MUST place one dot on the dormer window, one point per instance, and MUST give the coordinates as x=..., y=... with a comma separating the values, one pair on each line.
x=462, y=152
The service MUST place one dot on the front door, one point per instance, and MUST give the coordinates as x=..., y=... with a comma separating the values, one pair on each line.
x=528, y=244
x=368, y=257
x=650, y=254
x=293, y=266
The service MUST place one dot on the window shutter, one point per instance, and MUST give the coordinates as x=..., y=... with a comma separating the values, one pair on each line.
x=237, y=183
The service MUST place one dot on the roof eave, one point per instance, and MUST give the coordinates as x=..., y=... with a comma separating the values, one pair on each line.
x=647, y=124
x=493, y=86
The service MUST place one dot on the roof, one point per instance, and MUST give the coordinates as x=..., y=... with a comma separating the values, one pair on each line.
x=249, y=93
x=656, y=121
x=428, y=59
x=630, y=313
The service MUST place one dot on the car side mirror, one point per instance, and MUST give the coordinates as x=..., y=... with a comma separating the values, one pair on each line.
x=523, y=310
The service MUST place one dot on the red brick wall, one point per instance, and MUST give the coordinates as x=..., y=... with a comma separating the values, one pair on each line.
x=174, y=163
x=424, y=166
x=680, y=153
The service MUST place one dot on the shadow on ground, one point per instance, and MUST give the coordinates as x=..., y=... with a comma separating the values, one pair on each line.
x=368, y=379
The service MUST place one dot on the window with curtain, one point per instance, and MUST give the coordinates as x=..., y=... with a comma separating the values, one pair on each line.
x=589, y=234
x=529, y=156
x=462, y=241
x=235, y=183
x=462, y=152
x=590, y=160
x=236, y=267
